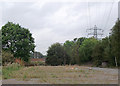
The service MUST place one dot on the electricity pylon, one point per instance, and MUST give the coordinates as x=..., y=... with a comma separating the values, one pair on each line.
x=94, y=32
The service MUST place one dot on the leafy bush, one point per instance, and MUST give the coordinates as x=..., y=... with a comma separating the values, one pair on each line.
x=56, y=55
x=7, y=57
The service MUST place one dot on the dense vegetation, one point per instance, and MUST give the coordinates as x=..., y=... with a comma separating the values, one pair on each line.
x=17, y=40
x=57, y=55
x=83, y=50
x=7, y=57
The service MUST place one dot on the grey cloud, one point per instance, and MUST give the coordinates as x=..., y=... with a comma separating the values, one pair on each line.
x=52, y=22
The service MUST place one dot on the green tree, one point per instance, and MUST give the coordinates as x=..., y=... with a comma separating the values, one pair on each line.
x=68, y=47
x=0, y=40
x=115, y=36
x=97, y=54
x=86, y=49
x=75, y=51
x=56, y=55
x=18, y=40
x=108, y=54
x=102, y=52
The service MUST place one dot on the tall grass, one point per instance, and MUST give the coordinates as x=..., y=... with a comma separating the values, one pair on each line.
x=7, y=70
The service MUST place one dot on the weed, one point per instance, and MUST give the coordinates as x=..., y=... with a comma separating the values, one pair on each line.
x=24, y=77
x=8, y=70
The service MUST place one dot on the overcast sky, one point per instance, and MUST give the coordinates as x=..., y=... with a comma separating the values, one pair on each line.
x=52, y=22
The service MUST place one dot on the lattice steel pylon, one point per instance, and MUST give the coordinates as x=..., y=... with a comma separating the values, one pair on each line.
x=94, y=32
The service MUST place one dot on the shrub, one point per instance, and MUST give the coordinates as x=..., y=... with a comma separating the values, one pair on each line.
x=56, y=55
x=37, y=63
x=7, y=57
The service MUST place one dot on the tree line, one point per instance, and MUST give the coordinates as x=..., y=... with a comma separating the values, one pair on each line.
x=17, y=42
x=87, y=50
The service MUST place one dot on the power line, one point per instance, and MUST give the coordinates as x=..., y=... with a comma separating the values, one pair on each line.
x=98, y=13
x=95, y=29
x=103, y=16
x=89, y=19
x=95, y=33
x=109, y=15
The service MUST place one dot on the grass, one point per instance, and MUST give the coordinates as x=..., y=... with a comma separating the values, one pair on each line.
x=0, y=73
x=37, y=63
x=62, y=75
x=8, y=70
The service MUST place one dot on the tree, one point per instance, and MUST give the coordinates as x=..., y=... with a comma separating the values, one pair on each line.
x=102, y=52
x=56, y=55
x=0, y=47
x=86, y=49
x=115, y=38
x=75, y=51
x=18, y=40
x=108, y=54
x=97, y=54
x=68, y=47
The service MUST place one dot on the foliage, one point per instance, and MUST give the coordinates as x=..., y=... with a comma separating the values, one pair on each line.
x=108, y=54
x=86, y=49
x=75, y=52
x=97, y=54
x=7, y=57
x=68, y=46
x=109, y=49
x=18, y=40
x=102, y=52
x=56, y=55
x=115, y=36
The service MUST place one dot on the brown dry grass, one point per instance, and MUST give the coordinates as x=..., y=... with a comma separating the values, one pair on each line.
x=66, y=74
